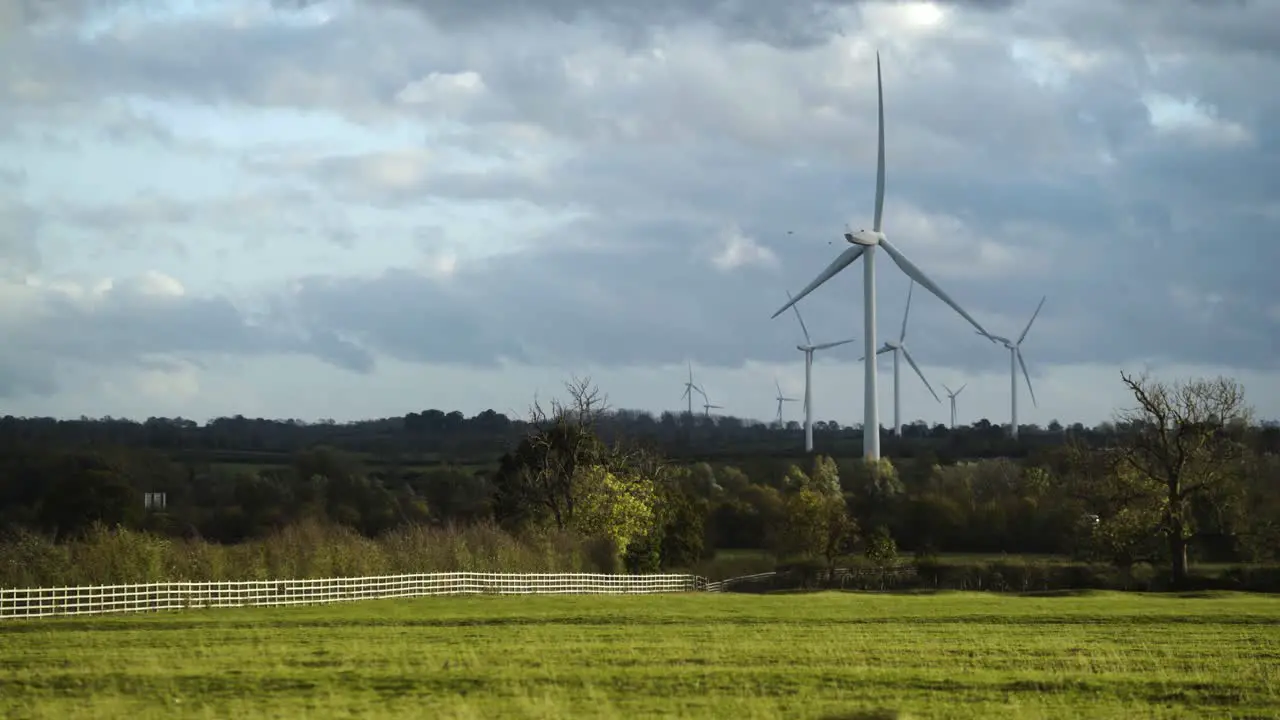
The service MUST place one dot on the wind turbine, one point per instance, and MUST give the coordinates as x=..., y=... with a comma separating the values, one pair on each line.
x=689, y=387
x=808, y=348
x=707, y=407
x=865, y=242
x=1015, y=359
x=898, y=348
x=952, y=396
x=781, y=399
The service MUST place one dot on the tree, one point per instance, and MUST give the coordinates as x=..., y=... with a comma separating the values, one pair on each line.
x=619, y=506
x=817, y=524
x=536, y=481
x=1180, y=443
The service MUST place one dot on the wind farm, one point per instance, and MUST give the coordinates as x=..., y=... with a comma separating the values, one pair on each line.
x=863, y=245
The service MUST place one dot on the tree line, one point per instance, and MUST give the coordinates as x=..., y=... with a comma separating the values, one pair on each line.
x=1182, y=476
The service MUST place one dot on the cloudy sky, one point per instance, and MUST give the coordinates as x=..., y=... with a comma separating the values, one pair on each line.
x=366, y=207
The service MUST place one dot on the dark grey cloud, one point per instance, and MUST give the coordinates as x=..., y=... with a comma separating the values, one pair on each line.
x=785, y=24
x=1166, y=253
x=130, y=322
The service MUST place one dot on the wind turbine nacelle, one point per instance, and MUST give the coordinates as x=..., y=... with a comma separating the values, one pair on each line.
x=866, y=238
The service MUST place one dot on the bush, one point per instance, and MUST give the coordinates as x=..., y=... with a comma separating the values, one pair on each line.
x=308, y=549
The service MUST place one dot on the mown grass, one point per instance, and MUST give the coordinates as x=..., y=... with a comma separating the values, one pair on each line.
x=826, y=655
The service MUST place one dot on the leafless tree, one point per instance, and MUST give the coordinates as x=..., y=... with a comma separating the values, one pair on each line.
x=561, y=440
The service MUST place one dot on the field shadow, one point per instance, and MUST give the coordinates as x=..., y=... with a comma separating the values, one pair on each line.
x=864, y=715
x=1061, y=592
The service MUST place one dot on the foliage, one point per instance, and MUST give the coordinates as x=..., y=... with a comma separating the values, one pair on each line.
x=816, y=525
x=881, y=550
x=308, y=549
x=719, y=489
x=614, y=505
x=1179, y=446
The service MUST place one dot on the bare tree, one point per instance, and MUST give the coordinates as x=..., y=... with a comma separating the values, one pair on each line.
x=1182, y=441
x=562, y=439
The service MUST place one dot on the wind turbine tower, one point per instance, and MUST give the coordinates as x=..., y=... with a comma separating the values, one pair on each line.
x=808, y=348
x=781, y=399
x=865, y=242
x=689, y=387
x=952, y=396
x=1015, y=360
x=899, y=348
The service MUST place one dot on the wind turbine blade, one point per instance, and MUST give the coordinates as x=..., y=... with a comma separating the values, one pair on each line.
x=803, y=329
x=916, y=274
x=962, y=387
x=944, y=387
x=907, y=314
x=1033, y=319
x=1025, y=374
x=996, y=338
x=916, y=367
x=841, y=262
x=880, y=156
x=824, y=346
x=775, y=384
x=884, y=350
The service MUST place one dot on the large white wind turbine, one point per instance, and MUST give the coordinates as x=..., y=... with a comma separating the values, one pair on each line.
x=899, y=348
x=781, y=399
x=952, y=395
x=808, y=348
x=689, y=387
x=865, y=242
x=1015, y=360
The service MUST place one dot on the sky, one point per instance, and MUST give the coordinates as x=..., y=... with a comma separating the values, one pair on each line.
x=362, y=208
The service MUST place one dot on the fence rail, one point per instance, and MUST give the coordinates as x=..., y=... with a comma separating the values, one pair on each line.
x=43, y=602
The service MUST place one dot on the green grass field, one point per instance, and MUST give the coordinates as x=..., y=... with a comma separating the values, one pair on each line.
x=825, y=655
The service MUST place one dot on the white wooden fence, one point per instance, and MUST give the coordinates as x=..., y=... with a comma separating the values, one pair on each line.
x=40, y=602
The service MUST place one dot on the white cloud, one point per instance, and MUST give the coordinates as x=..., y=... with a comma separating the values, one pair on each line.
x=1194, y=120
x=737, y=250
x=946, y=246
x=394, y=170
x=443, y=90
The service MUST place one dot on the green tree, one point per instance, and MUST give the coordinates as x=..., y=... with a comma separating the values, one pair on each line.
x=817, y=525
x=1179, y=445
x=619, y=506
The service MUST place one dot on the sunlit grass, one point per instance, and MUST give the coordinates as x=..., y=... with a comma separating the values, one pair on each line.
x=826, y=655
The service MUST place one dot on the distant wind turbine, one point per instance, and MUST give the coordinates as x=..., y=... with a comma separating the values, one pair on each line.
x=689, y=387
x=707, y=407
x=865, y=242
x=899, y=348
x=1015, y=360
x=808, y=348
x=952, y=396
x=781, y=399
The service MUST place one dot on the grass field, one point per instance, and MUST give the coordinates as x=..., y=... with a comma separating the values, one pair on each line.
x=826, y=655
